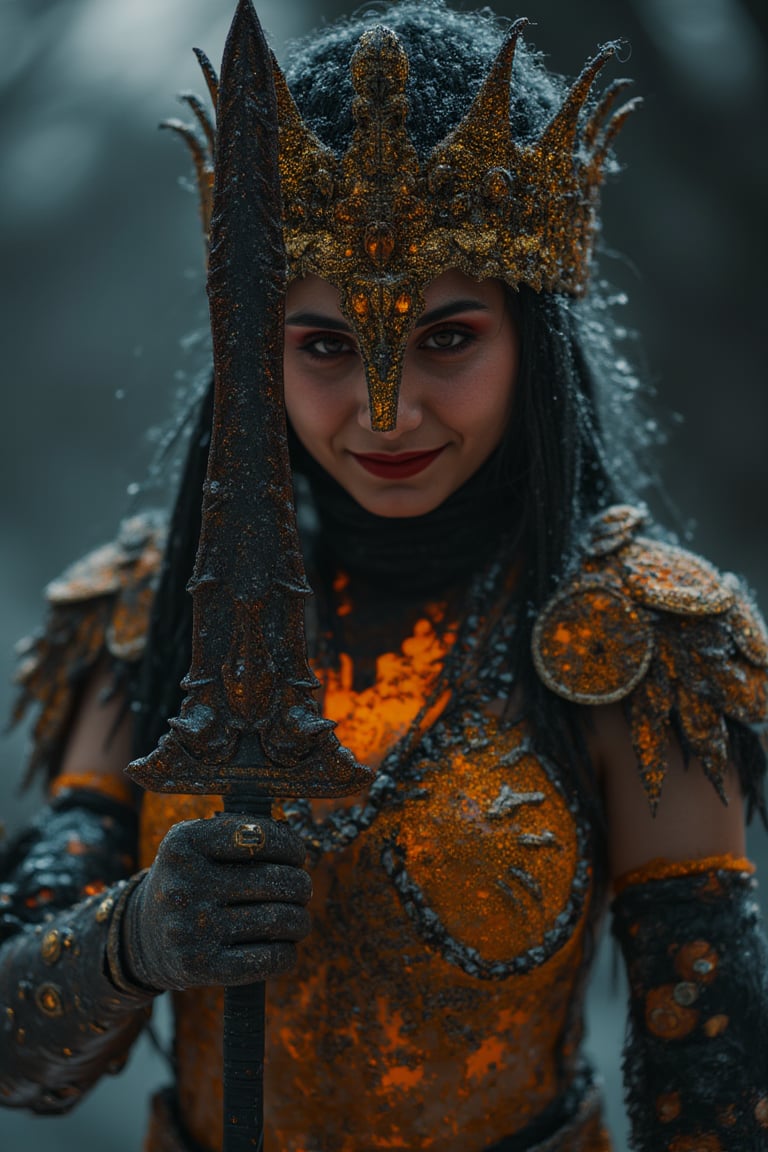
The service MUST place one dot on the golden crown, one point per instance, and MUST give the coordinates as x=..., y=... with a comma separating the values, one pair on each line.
x=379, y=224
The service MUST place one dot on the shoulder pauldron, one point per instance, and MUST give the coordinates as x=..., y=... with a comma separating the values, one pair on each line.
x=99, y=608
x=651, y=624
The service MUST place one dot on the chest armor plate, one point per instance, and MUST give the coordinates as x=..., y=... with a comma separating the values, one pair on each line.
x=449, y=913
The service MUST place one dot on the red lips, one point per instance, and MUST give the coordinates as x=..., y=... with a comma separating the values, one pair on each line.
x=396, y=465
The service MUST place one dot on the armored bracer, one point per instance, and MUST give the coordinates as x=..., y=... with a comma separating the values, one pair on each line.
x=696, y=1055
x=68, y=1015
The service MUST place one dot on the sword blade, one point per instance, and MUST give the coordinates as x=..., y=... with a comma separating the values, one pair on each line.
x=249, y=727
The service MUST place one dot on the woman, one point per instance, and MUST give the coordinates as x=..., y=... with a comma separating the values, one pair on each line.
x=529, y=672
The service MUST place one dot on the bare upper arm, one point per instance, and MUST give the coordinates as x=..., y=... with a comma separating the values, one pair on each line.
x=99, y=744
x=691, y=820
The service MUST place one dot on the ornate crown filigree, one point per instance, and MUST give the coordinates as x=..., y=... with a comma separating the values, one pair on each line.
x=379, y=224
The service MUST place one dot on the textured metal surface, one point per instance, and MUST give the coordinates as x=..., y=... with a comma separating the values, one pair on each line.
x=380, y=225
x=657, y=626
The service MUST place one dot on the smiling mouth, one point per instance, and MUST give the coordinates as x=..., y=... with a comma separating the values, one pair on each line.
x=396, y=465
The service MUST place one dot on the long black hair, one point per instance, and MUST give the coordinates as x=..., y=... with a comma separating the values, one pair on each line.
x=570, y=448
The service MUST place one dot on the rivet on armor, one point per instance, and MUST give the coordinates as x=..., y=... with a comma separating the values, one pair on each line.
x=715, y=1026
x=50, y=949
x=10, y=1015
x=686, y=994
x=104, y=909
x=697, y=961
x=761, y=1111
x=668, y=1107
x=66, y=1052
x=21, y=1035
x=665, y=1017
x=48, y=1000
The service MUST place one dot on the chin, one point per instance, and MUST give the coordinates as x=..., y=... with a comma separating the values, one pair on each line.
x=398, y=502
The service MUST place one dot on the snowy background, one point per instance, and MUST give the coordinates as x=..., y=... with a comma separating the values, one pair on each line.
x=102, y=292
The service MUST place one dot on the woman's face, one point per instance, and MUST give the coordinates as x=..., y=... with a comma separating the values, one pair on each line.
x=456, y=393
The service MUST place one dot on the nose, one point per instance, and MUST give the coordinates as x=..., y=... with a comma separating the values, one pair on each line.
x=409, y=411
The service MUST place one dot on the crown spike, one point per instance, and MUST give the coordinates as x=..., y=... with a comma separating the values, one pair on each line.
x=380, y=141
x=200, y=112
x=599, y=118
x=379, y=67
x=613, y=126
x=203, y=168
x=300, y=150
x=483, y=138
x=560, y=133
x=209, y=72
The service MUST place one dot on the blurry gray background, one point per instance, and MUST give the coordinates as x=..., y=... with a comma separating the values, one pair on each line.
x=102, y=285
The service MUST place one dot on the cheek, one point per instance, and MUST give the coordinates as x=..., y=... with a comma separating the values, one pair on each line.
x=485, y=406
x=314, y=412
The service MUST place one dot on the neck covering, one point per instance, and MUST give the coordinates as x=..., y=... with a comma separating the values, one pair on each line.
x=412, y=553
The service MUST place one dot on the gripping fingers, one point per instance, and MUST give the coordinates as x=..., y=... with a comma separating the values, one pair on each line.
x=255, y=923
x=248, y=964
x=242, y=884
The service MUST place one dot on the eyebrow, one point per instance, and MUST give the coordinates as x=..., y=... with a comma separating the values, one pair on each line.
x=332, y=324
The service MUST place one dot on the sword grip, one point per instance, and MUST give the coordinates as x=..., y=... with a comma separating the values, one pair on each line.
x=244, y=1020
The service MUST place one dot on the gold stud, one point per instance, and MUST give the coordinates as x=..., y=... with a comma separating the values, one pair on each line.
x=50, y=949
x=48, y=1000
x=250, y=836
x=104, y=909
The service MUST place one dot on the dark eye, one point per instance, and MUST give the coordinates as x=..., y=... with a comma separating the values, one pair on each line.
x=327, y=346
x=447, y=340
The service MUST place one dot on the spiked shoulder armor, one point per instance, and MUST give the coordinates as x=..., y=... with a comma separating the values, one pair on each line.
x=650, y=624
x=98, y=609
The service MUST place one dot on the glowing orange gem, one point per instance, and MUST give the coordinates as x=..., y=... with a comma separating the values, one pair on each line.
x=403, y=304
x=379, y=242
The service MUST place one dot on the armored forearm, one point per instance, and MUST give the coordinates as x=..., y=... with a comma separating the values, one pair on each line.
x=696, y=1058
x=65, y=1021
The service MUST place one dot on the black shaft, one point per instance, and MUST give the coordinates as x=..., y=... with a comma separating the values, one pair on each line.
x=244, y=1033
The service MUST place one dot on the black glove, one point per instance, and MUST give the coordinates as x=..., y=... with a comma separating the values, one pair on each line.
x=222, y=904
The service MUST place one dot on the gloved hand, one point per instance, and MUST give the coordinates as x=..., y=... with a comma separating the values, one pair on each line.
x=222, y=904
